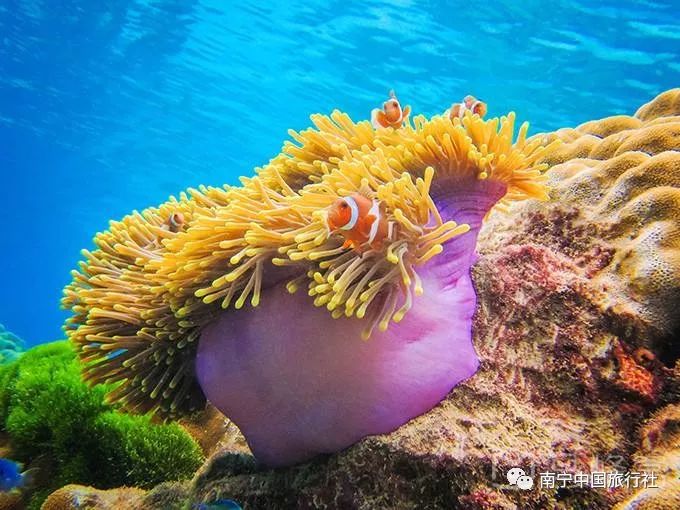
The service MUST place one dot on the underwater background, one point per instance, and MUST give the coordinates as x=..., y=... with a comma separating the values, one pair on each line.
x=111, y=106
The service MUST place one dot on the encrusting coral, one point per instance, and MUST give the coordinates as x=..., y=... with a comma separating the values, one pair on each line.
x=151, y=289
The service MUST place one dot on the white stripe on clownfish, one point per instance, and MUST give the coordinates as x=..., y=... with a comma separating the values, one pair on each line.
x=464, y=108
x=354, y=208
x=375, y=212
x=461, y=110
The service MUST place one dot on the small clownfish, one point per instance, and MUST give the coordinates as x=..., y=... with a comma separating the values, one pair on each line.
x=469, y=103
x=175, y=222
x=360, y=221
x=391, y=114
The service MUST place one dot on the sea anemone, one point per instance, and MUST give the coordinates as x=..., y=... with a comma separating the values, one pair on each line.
x=156, y=309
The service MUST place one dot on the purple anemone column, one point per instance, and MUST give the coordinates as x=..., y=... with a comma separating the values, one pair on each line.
x=299, y=383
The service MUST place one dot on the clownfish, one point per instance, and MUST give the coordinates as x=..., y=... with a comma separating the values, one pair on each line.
x=360, y=221
x=391, y=114
x=175, y=221
x=469, y=103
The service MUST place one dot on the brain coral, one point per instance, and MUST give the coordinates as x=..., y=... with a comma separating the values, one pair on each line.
x=623, y=174
x=156, y=304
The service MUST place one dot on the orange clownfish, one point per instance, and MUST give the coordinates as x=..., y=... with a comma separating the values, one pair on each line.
x=469, y=103
x=391, y=114
x=175, y=222
x=360, y=221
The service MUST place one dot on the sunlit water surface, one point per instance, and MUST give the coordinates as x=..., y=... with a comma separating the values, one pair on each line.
x=111, y=106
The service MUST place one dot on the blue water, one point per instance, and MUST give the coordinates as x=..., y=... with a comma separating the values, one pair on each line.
x=111, y=105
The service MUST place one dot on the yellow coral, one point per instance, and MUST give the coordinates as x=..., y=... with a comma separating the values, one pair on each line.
x=141, y=298
x=654, y=128
x=628, y=184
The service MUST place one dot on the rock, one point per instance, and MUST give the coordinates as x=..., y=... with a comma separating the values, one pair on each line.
x=213, y=431
x=75, y=497
x=11, y=501
x=167, y=496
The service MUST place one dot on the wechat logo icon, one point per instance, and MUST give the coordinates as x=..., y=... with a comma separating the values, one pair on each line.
x=517, y=476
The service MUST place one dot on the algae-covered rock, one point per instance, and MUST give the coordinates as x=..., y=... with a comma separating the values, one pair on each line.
x=78, y=497
x=577, y=303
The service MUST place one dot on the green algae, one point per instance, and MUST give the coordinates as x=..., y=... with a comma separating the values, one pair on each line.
x=55, y=422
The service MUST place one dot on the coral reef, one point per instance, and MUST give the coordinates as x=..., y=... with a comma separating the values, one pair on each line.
x=148, y=292
x=57, y=424
x=659, y=453
x=579, y=368
x=623, y=174
x=11, y=346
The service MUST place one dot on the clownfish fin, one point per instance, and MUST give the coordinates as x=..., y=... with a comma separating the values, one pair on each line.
x=28, y=478
x=374, y=118
x=379, y=119
x=347, y=244
x=405, y=113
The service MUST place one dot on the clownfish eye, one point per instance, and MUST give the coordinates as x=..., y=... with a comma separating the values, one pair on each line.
x=343, y=205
